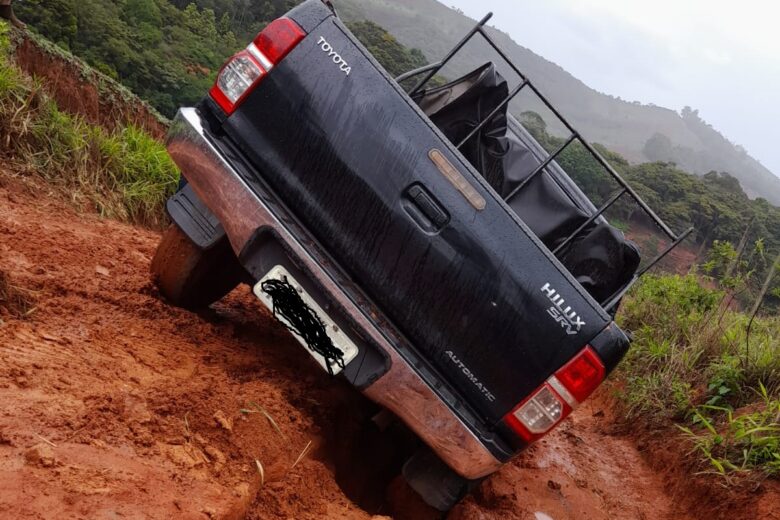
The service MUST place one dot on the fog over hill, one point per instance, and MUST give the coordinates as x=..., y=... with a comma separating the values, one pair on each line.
x=639, y=132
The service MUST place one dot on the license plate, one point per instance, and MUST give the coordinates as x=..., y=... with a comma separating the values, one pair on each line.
x=340, y=340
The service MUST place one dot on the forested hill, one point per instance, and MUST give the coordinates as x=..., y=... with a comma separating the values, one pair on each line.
x=169, y=51
x=638, y=132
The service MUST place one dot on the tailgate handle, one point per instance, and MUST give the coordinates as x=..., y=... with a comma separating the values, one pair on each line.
x=425, y=210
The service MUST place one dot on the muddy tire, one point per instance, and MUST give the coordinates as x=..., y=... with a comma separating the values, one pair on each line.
x=438, y=485
x=192, y=278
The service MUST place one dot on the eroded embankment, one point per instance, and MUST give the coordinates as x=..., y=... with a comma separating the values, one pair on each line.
x=81, y=90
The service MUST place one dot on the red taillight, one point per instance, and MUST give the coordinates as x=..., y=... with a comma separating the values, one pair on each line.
x=582, y=375
x=538, y=414
x=244, y=71
x=279, y=38
x=557, y=397
x=236, y=79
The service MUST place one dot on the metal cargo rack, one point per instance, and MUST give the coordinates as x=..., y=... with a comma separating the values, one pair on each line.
x=625, y=189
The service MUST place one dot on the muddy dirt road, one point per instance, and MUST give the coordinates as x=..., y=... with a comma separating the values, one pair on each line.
x=116, y=405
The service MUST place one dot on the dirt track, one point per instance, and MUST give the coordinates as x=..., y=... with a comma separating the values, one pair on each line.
x=116, y=405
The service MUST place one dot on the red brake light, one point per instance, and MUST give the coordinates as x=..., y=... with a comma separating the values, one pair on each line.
x=582, y=375
x=557, y=397
x=244, y=71
x=279, y=38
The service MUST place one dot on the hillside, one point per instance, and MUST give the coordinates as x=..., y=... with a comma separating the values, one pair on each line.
x=165, y=53
x=168, y=52
x=625, y=127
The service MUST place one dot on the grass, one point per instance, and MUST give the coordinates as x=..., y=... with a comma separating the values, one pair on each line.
x=261, y=471
x=692, y=364
x=302, y=455
x=256, y=408
x=743, y=441
x=14, y=301
x=123, y=174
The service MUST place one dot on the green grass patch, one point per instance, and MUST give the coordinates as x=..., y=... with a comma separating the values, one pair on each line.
x=123, y=174
x=693, y=364
x=739, y=441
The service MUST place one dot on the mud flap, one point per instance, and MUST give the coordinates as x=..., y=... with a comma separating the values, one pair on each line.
x=192, y=216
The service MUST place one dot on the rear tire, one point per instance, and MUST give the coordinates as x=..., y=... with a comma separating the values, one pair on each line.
x=436, y=483
x=190, y=277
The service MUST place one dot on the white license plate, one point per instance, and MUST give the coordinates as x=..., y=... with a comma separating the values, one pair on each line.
x=340, y=340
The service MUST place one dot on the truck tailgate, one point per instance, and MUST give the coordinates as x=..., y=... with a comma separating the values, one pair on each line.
x=423, y=235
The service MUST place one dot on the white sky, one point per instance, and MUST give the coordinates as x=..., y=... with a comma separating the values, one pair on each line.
x=719, y=56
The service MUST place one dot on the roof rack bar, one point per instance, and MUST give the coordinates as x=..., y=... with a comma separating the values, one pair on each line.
x=614, y=198
x=477, y=28
x=433, y=69
x=550, y=158
x=502, y=54
x=416, y=72
x=634, y=195
x=492, y=114
x=614, y=300
x=603, y=162
x=552, y=109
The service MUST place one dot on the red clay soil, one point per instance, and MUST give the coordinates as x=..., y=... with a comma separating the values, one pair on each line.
x=117, y=405
x=707, y=494
x=652, y=242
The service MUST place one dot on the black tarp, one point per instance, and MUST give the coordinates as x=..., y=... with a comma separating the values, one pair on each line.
x=600, y=257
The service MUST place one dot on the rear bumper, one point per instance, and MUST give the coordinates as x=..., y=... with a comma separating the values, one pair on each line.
x=243, y=213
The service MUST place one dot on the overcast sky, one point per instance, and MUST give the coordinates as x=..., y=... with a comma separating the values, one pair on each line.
x=721, y=57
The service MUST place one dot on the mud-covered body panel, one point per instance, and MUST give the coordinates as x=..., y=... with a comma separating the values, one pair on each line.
x=477, y=296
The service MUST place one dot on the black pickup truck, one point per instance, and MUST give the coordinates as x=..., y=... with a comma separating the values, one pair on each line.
x=420, y=244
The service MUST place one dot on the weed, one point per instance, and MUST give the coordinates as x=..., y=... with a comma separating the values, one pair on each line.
x=261, y=471
x=302, y=455
x=745, y=441
x=256, y=408
x=14, y=301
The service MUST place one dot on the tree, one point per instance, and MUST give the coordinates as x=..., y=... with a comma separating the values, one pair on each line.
x=393, y=56
x=659, y=148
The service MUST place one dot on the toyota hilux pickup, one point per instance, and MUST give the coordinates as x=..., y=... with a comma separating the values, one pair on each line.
x=418, y=243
